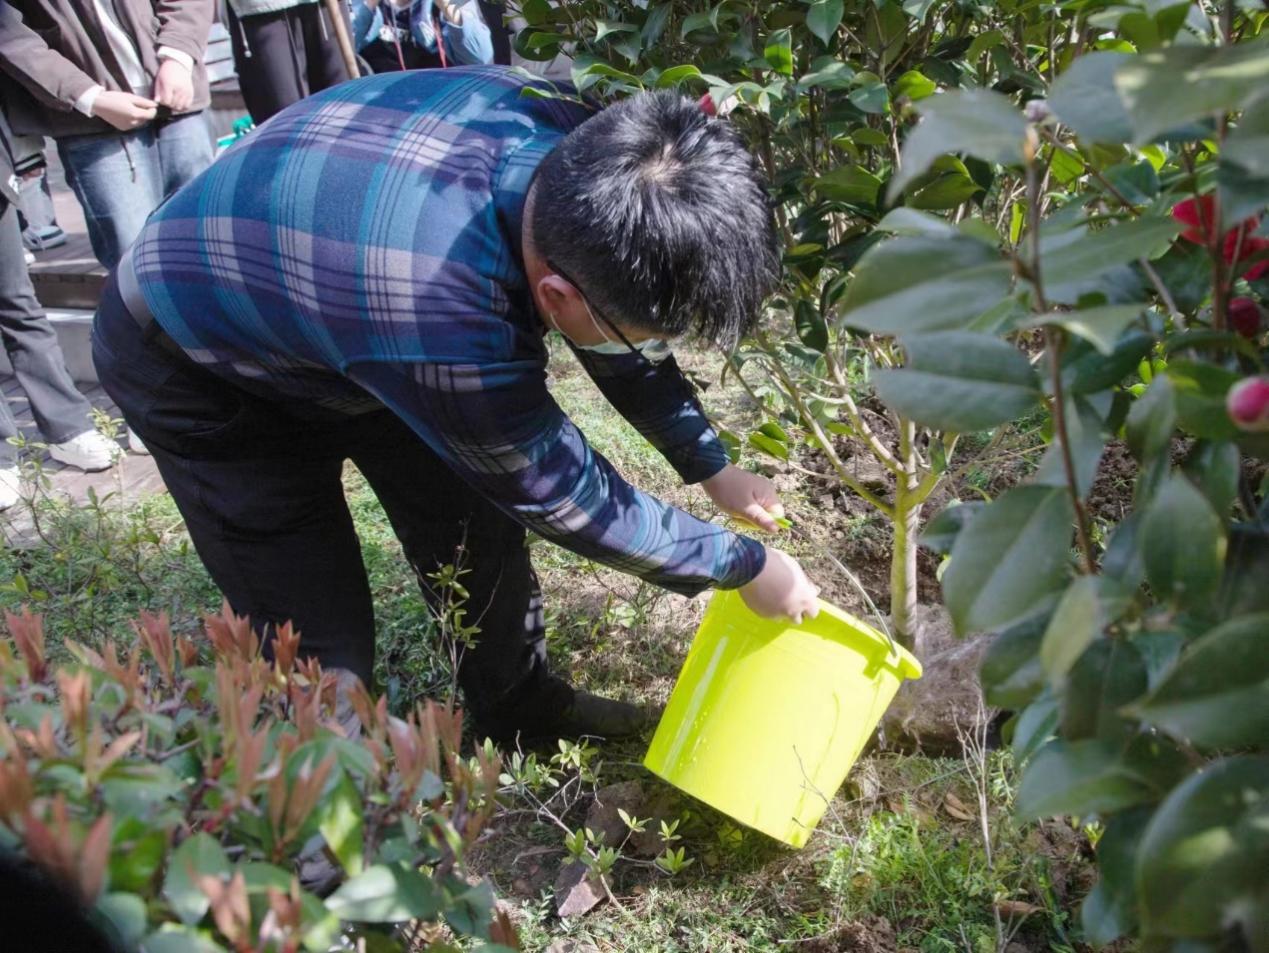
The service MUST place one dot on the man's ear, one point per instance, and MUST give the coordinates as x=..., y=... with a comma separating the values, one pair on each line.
x=555, y=294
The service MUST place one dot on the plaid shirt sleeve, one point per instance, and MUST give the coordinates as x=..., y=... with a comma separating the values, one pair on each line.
x=499, y=429
x=659, y=402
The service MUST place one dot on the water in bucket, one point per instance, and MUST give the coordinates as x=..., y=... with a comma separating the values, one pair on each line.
x=767, y=717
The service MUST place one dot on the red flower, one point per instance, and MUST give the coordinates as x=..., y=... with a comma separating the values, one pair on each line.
x=1244, y=317
x=707, y=106
x=1248, y=404
x=1238, y=243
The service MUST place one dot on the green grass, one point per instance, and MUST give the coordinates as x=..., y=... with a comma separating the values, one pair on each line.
x=890, y=867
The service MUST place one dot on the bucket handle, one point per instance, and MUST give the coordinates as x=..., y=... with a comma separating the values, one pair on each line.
x=821, y=550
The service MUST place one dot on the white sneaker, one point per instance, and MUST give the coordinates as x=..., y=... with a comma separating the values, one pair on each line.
x=10, y=487
x=135, y=444
x=87, y=451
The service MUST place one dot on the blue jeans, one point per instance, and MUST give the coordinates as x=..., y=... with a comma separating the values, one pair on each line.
x=121, y=177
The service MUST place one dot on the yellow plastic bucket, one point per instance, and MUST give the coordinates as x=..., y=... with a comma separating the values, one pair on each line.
x=766, y=718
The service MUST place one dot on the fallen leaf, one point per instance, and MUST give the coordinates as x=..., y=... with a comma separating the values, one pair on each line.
x=957, y=808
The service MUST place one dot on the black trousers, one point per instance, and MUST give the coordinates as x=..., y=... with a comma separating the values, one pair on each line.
x=60, y=411
x=284, y=56
x=259, y=487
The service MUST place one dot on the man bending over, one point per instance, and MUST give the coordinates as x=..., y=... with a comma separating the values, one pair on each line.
x=370, y=277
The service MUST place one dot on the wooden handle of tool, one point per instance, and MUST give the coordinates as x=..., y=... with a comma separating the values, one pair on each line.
x=333, y=7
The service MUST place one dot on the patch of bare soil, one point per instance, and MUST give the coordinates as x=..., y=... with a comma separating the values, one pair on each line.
x=870, y=935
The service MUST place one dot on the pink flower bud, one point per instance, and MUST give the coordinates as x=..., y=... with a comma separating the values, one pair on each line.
x=1244, y=317
x=1248, y=404
x=707, y=105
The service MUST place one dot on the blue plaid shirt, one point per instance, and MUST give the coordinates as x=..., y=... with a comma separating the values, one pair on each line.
x=362, y=249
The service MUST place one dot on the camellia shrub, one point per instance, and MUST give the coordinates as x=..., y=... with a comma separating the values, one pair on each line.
x=176, y=795
x=1052, y=216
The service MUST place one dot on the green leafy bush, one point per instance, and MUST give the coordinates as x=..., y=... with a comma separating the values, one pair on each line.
x=1018, y=211
x=175, y=794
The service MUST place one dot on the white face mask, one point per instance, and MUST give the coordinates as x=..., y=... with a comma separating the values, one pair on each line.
x=654, y=350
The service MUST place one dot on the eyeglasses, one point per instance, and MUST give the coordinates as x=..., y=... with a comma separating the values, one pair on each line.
x=594, y=312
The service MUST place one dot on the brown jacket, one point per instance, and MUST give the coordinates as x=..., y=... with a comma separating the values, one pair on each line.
x=53, y=51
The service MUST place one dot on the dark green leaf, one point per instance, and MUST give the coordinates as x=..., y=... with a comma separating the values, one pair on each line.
x=1107, y=677
x=979, y=122
x=941, y=531
x=812, y=331
x=852, y=184
x=1009, y=558
x=946, y=185
x=1217, y=694
x=1186, y=271
x=921, y=283
x=1034, y=728
x=1084, y=97
x=1246, y=569
x=1159, y=650
x=386, y=894
x=1243, y=172
x=1011, y=673
x=1077, y=621
x=1201, y=862
x=822, y=19
x=1215, y=79
x=1086, y=371
x=1214, y=468
x=959, y=381
x=869, y=94
x=1183, y=541
x=1151, y=420
x=198, y=856
x=1078, y=253
x=1201, y=389
x=1087, y=442
x=1110, y=910
x=829, y=74
x=1100, y=326
x=605, y=28
x=1090, y=777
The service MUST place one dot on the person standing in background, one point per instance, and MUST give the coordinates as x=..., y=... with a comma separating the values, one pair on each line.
x=284, y=51
x=120, y=86
x=420, y=34
x=62, y=413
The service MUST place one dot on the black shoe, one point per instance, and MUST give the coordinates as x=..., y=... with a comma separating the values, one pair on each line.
x=598, y=717
x=580, y=714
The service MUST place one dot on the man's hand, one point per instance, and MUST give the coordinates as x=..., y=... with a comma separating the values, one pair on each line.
x=124, y=111
x=746, y=496
x=781, y=590
x=174, y=86
x=451, y=11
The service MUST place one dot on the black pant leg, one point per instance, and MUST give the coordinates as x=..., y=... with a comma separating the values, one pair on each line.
x=323, y=63
x=259, y=490
x=269, y=59
x=442, y=521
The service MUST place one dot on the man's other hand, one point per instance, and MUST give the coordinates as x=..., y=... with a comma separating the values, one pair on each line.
x=745, y=496
x=174, y=86
x=124, y=111
x=781, y=590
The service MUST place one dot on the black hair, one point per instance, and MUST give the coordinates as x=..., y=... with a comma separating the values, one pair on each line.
x=661, y=214
x=42, y=915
